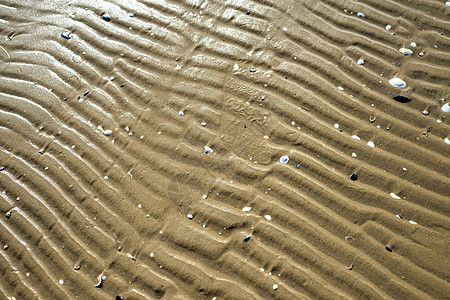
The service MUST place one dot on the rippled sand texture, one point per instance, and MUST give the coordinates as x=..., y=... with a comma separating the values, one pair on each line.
x=105, y=173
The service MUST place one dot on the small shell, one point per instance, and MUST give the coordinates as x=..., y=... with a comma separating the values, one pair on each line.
x=412, y=222
x=275, y=286
x=405, y=51
x=268, y=217
x=355, y=137
x=284, y=159
x=388, y=27
x=360, y=14
x=397, y=82
x=208, y=150
x=246, y=209
x=360, y=62
x=107, y=132
x=414, y=45
x=371, y=144
x=189, y=216
x=394, y=196
x=447, y=141
x=445, y=107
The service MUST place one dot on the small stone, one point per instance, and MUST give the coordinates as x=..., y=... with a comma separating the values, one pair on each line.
x=445, y=107
x=61, y=281
x=360, y=62
x=425, y=112
x=401, y=99
x=266, y=137
x=355, y=137
x=412, y=222
x=284, y=159
x=275, y=286
x=336, y=126
x=405, y=51
x=152, y=254
x=246, y=209
x=414, y=45
x=397, y=82
x=247, y=238
x=189, y=216
x=208, y=150
x=388, y=27
x=181, y=113
x=107, y=132
x=360, y=14
x=353, y=154
x=268, y=217
x=388, y=249
x=66, y=36
x=354, y=177
x=371, y=144
x=394, y=196
x=106, y=18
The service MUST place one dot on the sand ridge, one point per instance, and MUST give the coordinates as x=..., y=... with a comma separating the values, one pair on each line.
x=140, y=147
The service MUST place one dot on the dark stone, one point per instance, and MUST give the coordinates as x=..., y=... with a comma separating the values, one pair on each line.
x=388, y=249
x=66, y=36
x=402, y=99
x=247, y=238
x=86, y=93
x=106, y=18
x=354, y=177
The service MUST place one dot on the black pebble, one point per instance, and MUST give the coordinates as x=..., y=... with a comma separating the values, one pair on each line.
x=66, y=36
x=248, y=12
x=252, y=70
x=246, y=239
x=388, y=249
x=122, y=85
x=2, y=169
x=8, y=215
x=354, y=177
x=106, y=18
x=86, y=93
x=119, y=298
x=402, y=99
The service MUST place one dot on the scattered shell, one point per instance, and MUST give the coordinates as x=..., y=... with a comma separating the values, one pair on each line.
x=355, y=137
x=61, y=281
x=414, y=45
x=336, y=126
x=445, y=107
x=394, y=196
x=266, y=137
x=348, y=237
x=203, y=124
x=388, y=248
x=100, y=281
x=236, y=67
x=447, y=3
x=181, y=113
x=401, y=99
x=405, y=169
x=360, y=62
x=371, y=144
x=388, y=27
x=247, y=238
x=205, y=196
x=268, y=217
x=405, y=51
x=107, y=132
x=208, y=150
x=354, y=177
x=340, y=88
x=246, y=209
x=425, y=112
x=284, y=159
x=397, y=82
x=350, y=267
x=412, y=222
x=353, y=154
x=275, y=286
x=447, y=141
x=360, y=14
x=189, y=216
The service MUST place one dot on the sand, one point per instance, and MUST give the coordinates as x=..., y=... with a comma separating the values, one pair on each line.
x=224, y=149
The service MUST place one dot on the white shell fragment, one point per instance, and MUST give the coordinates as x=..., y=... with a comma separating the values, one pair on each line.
x=336, y=126
x=397, y=82
x=203, y=124
x=340, y=88
x=355, y=137
x=268, y=217
x=414, y=45
x=181, y=113
x=189, y=216
x=208, y=150
x=405, y=51
x=107, y=132
x=275, y=286
x=353, y=154
x=371, y=144
x=388, y=27
x=412, y=222
x=360, y=14
x=445, y=107
x=394, y=196
x=246, y=209
x=447, y=141
x=360, y=62
x=284, y=159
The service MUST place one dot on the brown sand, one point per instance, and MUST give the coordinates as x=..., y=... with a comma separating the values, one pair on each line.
x=269, y=78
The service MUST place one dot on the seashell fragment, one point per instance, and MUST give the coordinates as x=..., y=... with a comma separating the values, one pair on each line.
x=412, y=222
x=246, y=209
x=360, y=62
x=397, y=82
x=208, y=150
x=394, y=196
x=360, y=14
x=445, y=107
x=371, y=144
x=405, y=51
x=355, y=137
x=388, y=27
x=284, y=159
x=107, y=132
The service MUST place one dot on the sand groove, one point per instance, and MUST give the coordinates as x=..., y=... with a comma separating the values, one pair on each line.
x=104, y=169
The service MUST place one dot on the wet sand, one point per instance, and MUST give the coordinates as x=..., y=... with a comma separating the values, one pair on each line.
x=224, y=149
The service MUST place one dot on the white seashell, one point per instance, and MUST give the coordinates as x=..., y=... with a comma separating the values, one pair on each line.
x=181, y=113
x=275, y=286
x=107, y=132
x=445, y=107
x=447, y=141
x=353, y=154
x=355, y=137
x=414, y=45
x=412, y=222
x=203, y=124
x=340, y=88
x=268, y=217
x=246, y=209
x=405, y=51
x=336, y=126
x=284, y=159
x=208, y=150
x=360, y=62
x=360, y=14
x=236, y=67
x=397, y=82
x=394, y=196
x=371, y=144
x=388, y=27
x=189, y=216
